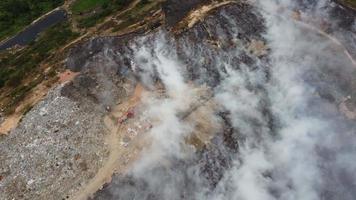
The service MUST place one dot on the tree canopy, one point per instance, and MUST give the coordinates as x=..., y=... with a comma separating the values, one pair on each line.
x=15, y=14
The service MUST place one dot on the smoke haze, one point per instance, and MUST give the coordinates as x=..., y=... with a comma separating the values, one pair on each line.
x=288, y=138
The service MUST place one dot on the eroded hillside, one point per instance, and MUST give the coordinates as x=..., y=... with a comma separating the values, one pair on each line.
x=190, y=100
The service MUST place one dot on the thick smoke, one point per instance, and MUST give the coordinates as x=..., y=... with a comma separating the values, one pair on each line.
x=293, y=141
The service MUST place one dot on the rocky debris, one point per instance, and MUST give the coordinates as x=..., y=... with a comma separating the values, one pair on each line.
x=56, y=148
x=60, y=144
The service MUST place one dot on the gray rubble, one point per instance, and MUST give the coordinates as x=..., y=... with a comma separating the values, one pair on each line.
x=57, y=147
x=60, y=144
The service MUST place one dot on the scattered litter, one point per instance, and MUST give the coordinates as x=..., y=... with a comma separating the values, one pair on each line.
x=30, y=182
x=43, y=111
x=107, y=108
x=128, y=115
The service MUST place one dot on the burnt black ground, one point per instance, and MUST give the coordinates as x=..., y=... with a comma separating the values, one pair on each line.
x=345, y=20
x=175, y=10
x=210, y=163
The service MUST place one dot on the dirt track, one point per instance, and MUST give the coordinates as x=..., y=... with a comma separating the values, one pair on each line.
x=120, y=155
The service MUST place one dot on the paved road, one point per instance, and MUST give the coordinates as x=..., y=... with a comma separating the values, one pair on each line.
x=31, y=32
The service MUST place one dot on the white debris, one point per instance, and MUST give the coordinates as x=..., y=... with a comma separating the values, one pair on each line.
x=43, y=111
x=30, y=182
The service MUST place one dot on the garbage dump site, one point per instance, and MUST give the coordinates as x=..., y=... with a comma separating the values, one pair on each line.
x=250, y=100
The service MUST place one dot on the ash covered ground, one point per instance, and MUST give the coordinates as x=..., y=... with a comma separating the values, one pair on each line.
x=252, y=100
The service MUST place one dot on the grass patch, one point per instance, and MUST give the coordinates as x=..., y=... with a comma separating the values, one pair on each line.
x=17, y=14
x=24, y=64
x=136, y=14
x=15, y=67
x=94, y=19
x=82, y=6
x=352, y=3
x=88, y=13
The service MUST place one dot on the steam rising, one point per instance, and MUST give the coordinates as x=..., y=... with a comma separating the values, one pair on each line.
x=293, y=142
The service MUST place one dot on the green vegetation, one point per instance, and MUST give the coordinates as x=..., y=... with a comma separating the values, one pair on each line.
x=16, y=14
x=352, y=3
x=81, y=6
x=94, y=19
x=15, y=68
x=90, y=12
x=136, y=14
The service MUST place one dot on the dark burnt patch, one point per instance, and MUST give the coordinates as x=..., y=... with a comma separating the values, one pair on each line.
x=79, y=88
x=345, y=16
x=131, y=187
x=230, y=135
x=184, y=175
x=213, y=164
x=197, y=49
x=214, y=37
x=176, y=10
x=82, y=54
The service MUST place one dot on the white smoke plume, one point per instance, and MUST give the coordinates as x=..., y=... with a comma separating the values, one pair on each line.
x=169, y=134
x=304, y=151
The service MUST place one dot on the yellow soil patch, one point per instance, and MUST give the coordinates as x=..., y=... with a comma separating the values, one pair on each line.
x=32, y=99
x=127, y=138
x=205, y=126
x=199, y=14
x=296, y=15
x=258, y=48
x=35, y=96
x=121, y=155
x=67, y=76
x=9, y=123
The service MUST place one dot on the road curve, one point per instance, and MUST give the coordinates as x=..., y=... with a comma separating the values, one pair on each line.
x=32, y=31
